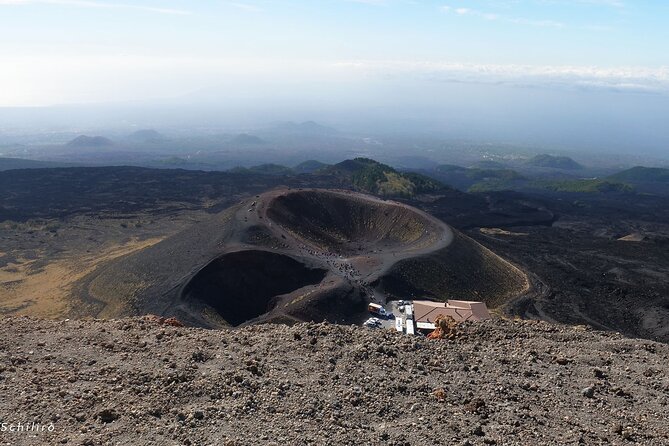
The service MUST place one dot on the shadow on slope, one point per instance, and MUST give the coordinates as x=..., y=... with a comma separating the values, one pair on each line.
x=243, y=285
x=344, y=224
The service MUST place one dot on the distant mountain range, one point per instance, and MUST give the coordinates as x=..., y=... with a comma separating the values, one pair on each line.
x=554, y=162
x=147, y=136
x=246, y=139
x=486, y=180
x=643, y=174
x=90, y=141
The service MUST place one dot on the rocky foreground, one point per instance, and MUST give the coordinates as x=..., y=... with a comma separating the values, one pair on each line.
x=142, y=382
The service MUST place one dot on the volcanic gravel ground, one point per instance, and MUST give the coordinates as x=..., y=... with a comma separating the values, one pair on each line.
x=137, y=382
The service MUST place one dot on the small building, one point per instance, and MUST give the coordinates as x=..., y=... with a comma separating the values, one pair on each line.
x=426, y=311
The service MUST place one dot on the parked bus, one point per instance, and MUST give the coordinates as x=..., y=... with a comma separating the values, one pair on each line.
x=377, y=309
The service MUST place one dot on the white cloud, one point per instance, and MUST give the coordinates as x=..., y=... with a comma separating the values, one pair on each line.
x=641, y=79
x=45, y=77
x=94, y=4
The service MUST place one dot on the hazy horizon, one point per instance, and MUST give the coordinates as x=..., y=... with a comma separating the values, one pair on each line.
x=580, y=74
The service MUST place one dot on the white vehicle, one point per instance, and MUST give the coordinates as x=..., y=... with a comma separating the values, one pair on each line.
x=410, y=329
x=372, y=323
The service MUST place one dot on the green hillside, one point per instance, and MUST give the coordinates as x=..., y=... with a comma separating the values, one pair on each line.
x=587, y=186
x=371, y=176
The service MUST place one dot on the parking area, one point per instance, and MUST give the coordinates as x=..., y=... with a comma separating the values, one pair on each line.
x=392, y=311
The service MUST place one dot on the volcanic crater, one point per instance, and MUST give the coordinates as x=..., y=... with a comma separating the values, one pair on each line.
x=299, y=255
x=243, y=285
x=345, y=224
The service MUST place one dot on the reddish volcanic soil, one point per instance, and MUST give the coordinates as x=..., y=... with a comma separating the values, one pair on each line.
x=136, y=382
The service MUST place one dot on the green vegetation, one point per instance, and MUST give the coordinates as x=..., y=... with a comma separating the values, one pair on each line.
x=581, y=186
x=422, y=183
x=396, y=184
x=643, y=174
x=371, y=176
x=494, y=179
x=585, y=186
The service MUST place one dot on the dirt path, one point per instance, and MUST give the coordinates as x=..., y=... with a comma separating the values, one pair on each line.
x=45, y=292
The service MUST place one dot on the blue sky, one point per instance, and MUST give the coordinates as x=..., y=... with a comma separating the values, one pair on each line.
x=74, y=51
